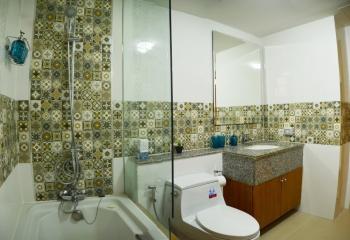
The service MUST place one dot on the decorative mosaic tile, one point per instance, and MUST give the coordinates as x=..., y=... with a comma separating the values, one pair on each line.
x=8, y=137
x=318, y=123
x=117, y=129
x=315, y=123
x=193, y=126
x=238, y=115
x=49, y=106
x=147, y=120
x=23, y=129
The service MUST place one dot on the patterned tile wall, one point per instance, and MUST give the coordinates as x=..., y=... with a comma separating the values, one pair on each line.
x=238, y=114
x=8, y=137
x=23, y=129
x=315, y=123
x=49, y=106
x=117, y=110
x=151, y=120
x=318, y=123
x=193, y=126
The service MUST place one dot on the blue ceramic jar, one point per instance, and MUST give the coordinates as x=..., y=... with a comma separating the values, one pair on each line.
x=218, y=141
x=233, y=140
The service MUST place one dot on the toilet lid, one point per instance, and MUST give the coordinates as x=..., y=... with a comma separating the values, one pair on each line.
x=228, y=223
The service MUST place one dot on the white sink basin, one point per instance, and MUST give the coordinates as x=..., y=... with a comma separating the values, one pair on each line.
x=261, y=147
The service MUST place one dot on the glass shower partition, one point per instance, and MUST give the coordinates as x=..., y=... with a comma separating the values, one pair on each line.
x=147, y=106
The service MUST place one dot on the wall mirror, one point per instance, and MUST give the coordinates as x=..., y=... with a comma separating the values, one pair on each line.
x=237, y=80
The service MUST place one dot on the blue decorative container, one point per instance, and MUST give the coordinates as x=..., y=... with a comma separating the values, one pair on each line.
x=19, y=49
x=218, y=141
x=233, y=140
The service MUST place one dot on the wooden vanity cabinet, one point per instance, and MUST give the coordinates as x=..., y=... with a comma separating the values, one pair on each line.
x=291, y=190
x=267, y=201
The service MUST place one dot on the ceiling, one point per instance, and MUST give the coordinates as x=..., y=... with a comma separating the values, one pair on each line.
x=260, y=17
x=222, y=42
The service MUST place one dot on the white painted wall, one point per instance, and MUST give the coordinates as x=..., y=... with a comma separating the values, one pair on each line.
x=118, y=175
x=10, y=205
x=27, y=25
x=9, y=26
x=192, y=55
x=320, y=179
x=16, y=190
x=347, y=99
x=347, y=38
x=15, y=15
x=117, y=52
x=302, y=64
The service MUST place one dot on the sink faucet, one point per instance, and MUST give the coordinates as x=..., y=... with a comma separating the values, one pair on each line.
x=245, y=138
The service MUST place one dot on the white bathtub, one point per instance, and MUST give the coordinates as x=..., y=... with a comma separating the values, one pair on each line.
x=118, y=219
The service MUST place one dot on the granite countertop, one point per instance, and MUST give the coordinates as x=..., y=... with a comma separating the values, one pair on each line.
x=254, y=167
x=259, y=154
x=237, y=150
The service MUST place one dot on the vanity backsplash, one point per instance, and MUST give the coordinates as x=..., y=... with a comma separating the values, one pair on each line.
x=317, y=123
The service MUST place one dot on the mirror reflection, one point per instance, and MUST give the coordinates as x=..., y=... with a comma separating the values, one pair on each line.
x=237, y=80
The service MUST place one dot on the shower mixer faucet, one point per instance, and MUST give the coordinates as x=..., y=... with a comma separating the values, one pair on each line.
x=72, y=195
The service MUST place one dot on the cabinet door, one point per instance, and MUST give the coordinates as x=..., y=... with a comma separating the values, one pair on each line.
x=267, y=201
x=239, y=195
x=291, y=190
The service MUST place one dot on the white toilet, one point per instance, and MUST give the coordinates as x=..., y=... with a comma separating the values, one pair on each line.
x=200, y=212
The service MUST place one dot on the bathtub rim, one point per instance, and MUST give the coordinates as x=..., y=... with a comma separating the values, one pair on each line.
x=138, y=217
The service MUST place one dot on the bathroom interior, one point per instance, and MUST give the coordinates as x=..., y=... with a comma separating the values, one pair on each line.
x=136, y=120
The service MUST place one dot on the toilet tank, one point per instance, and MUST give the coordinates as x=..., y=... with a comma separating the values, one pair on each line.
x=196, y=192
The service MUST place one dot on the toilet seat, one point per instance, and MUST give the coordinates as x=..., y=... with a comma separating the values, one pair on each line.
x=228, y=223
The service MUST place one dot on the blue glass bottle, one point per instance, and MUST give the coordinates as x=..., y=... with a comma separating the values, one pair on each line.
x=19, y=50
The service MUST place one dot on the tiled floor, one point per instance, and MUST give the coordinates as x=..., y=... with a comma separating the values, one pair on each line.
x=301, y=226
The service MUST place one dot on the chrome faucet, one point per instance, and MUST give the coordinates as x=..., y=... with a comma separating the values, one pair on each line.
x=72, y=195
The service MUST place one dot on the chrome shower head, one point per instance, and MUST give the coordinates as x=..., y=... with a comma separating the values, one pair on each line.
x=71, y=12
